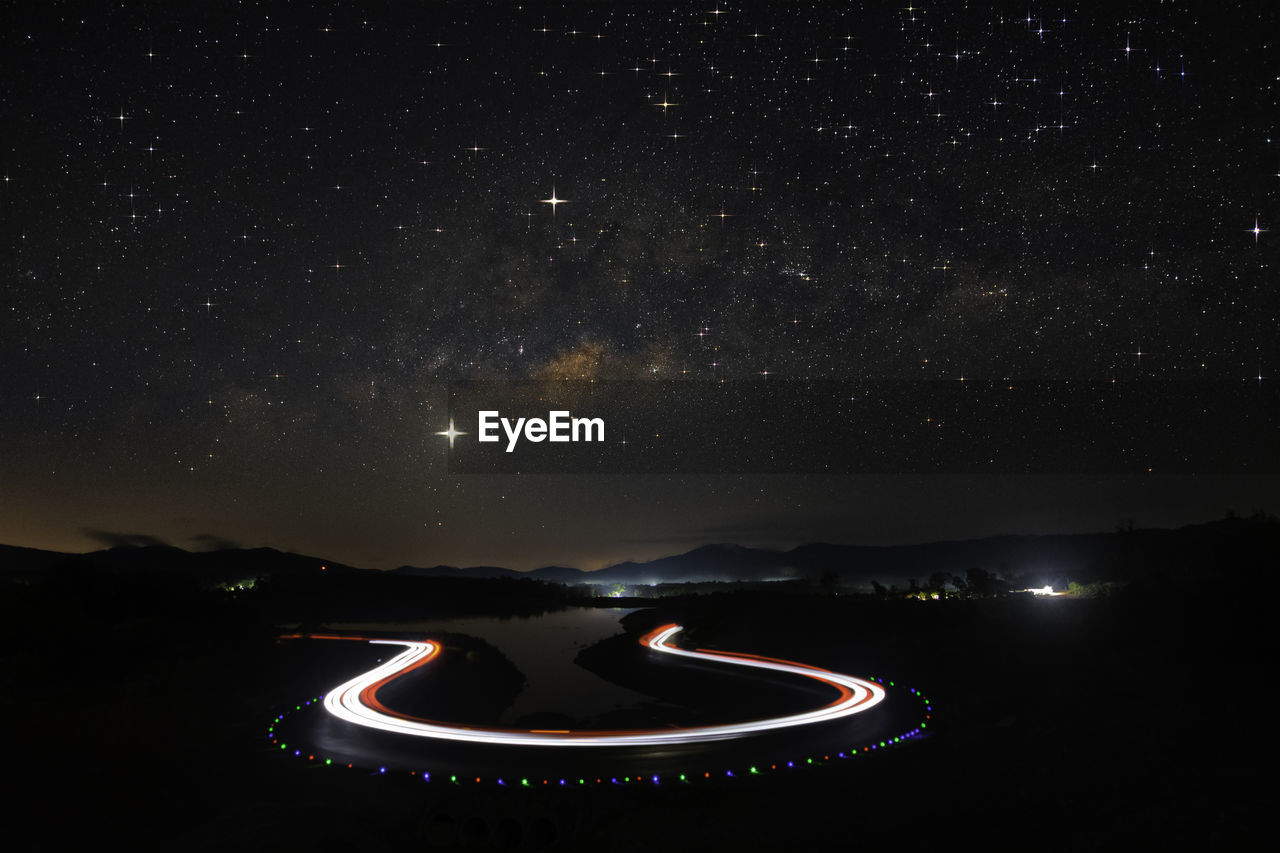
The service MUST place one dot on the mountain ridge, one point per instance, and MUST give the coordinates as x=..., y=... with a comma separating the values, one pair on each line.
x=1041, y=558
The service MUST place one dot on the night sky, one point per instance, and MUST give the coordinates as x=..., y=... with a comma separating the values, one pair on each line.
x=247, y=245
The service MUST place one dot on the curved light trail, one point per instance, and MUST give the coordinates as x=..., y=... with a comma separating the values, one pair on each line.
x=356, y=702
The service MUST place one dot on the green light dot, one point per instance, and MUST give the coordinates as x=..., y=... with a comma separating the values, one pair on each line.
x=681, y=777
x=328, y=761
x=753, y=770
x=810, y=761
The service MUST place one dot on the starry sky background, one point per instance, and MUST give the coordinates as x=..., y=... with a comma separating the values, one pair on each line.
x=247, y=245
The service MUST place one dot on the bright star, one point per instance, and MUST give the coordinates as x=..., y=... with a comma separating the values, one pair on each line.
x=451, y=433
x=553, y=201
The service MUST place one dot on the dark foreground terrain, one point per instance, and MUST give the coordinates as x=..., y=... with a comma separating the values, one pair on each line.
x=135, y=712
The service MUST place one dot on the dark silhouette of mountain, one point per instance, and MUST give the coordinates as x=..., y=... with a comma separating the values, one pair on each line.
x=455, y=572
x=1235, y=545
x=707, y=563
x=559, y=574
x=553, y=574
x=15, y=559
x=1240, y=546
x=165, y=560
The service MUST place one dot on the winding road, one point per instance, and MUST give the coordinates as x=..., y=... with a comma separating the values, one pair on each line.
x=356, y=701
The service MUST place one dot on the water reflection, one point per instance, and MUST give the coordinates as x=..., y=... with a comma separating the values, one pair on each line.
x=542, y=648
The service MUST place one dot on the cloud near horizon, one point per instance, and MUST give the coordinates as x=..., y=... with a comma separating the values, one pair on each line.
x=116, y=539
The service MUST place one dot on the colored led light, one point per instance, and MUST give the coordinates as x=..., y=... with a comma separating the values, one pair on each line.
x=419, y=653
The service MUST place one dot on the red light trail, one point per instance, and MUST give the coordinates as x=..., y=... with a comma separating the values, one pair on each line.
x=356, y=701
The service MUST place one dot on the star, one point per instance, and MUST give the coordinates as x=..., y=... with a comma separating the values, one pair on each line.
x=553, y=201
x=451, y=433
x=1256, y=231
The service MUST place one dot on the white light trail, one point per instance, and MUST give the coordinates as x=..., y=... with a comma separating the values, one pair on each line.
x=356, y=702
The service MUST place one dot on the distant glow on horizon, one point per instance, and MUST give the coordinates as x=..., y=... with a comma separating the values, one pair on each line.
x=356, y=702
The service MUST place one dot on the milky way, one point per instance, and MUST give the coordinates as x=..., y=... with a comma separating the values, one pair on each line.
x=246, y=248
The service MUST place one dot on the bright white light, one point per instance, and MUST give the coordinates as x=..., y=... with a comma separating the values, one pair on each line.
x=451, y=433
x=356, y=702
